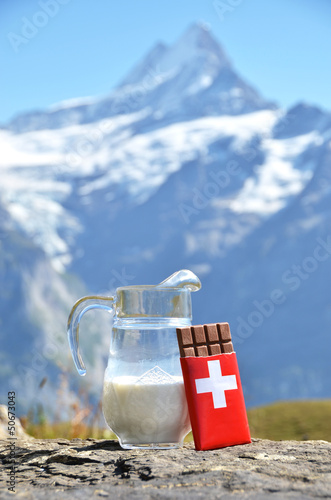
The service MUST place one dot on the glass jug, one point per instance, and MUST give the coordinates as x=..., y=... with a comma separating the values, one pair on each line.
x=143, y=400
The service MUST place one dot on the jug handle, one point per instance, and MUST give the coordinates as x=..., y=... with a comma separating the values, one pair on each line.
x=79, y=309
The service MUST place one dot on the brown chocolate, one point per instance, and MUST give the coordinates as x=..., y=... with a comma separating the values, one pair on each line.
x=211, y=332
x=224, y=331
x=215, y=349
x=202, y=350
x=188, y=351
x=227, y=347
x=198, y=334
x=204, y=340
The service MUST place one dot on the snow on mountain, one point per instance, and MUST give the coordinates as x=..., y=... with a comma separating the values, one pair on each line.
x=183, y=165
x=42, y=169
x=277, y=179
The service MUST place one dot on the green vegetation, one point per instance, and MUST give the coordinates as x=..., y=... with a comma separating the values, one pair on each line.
x=66, y=430
x=83, y=424
x=299, y=420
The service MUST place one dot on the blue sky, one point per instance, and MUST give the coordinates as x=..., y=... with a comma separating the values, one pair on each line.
x=81, y=48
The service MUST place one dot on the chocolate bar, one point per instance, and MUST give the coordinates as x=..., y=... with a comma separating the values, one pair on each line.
x=204, y=340
x=212, y=386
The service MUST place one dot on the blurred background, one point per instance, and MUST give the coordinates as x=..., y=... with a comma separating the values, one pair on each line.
x=141, y=138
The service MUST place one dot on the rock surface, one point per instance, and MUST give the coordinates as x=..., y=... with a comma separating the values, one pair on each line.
x=77, y=469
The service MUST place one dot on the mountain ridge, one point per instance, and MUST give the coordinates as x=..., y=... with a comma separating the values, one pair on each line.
x=206, y=71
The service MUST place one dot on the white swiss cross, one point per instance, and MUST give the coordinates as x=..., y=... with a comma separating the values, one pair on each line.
x=216, y=383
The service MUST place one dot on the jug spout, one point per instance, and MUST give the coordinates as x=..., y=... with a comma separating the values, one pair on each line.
x=182, y=279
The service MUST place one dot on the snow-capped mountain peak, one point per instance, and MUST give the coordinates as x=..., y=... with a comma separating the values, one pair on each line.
x=191, y=78
x=195, y=45
x=198, y=40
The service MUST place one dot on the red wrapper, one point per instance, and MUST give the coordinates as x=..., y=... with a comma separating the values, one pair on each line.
x=215, y=401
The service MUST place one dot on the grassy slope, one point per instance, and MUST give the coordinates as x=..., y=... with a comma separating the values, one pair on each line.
x=292, y=420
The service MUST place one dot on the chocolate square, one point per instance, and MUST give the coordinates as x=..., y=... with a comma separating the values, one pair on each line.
x=198, y=334
x=224, y=331
x=211, y=332
x=202, y=350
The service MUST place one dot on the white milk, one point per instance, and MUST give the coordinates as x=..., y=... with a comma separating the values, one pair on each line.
x=146, y=413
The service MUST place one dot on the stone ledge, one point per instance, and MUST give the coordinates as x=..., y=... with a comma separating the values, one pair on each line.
x=48, y=469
